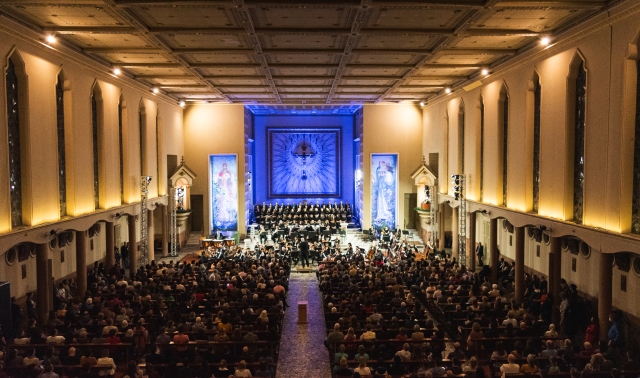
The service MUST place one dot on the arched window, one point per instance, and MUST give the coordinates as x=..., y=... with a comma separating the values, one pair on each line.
x=120, y=148
x=445, y=153
x=536, y=143
x=503, y=114
x=16, y=87
x=481, y=148
x=577, y=96
x=142, y=123
x=461, y=138
x=97, y=117
x=635, y=220
x=62, y=166
x=158, y=150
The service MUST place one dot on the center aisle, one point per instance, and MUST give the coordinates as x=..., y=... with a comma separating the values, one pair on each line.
x=302, y=351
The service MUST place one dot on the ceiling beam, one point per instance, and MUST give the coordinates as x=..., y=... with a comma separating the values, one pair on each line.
x=285, y=31
x=141, y=50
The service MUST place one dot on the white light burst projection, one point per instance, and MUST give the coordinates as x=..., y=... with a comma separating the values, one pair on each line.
x=304, y=163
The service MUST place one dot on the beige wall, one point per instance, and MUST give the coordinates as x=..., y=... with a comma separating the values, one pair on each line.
x=392, y=129
x=214, y=129
x=42, y=66
x=608, y=152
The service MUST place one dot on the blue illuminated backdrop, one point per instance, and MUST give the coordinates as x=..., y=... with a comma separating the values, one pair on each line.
x=303, y=162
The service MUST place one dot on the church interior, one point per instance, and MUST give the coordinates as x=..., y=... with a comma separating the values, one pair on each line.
x=499, y=139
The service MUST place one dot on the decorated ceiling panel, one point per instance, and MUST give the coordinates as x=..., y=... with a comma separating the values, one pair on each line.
x=312, y=52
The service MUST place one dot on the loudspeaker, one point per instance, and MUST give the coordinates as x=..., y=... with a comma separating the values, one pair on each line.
x=5, y=304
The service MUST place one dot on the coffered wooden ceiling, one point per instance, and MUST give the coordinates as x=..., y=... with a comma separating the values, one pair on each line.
x=301, y=52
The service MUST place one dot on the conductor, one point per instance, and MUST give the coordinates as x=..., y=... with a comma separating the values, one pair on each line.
x=303, y=246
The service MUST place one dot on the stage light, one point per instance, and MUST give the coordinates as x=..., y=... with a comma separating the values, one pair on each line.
x=51, y=38
x=447, y=90
x=181, y=103
x=156, y=90
x=544, y=41
x=421, y=103
x=485, y=72
x=117, y=71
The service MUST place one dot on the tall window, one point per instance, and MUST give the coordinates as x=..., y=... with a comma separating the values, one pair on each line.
x=481, y=149
x=536, y=143
x=461, y=137
x=13, y=115
x=578, y=154
x=142, y=117
x=96, y=119
x=158, y=152
x=62, y=168
x=635, y=221
x=504, y=109
x=121, y=150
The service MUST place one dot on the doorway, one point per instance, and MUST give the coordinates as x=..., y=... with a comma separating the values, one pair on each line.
x=197, y=212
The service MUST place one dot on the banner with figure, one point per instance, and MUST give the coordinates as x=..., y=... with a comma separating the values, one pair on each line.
x=223, y=178
x=384, y=190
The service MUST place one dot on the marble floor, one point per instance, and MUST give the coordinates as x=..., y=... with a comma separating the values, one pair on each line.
x=302, y=351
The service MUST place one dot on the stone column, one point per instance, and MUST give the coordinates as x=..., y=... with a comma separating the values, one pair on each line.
x=441, y=226
x=519, y=290
x=604, y=293
x=133, y=246
x=151, y=240
x=43, y=284
x=81, y=262
x=454, y=233
x=165, y=231
x=471, y=246
x=494, y=256
x=110, y=257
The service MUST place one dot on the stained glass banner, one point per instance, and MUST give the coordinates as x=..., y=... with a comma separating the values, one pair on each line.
x=223, y=175
x=384, y=189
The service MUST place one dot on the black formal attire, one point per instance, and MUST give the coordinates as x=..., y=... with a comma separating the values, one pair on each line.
x=480, y=253
x=304, y=252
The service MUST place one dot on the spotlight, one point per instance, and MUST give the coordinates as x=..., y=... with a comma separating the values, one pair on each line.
x=117, y=71
x=421, y=103
x=51, y=38
x=52, y=232
x=447, y=90
x=156, y=90
x=544, y=228
x=149, y=178
x=485, y=72
x=544, y=41
x=181, y=103
x=117, y=215
x=485, y=212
